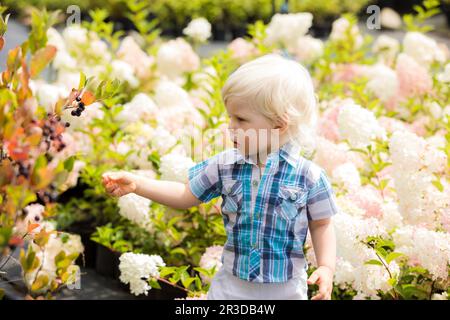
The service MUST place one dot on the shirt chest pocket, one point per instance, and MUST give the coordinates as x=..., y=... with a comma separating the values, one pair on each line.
x=232, y=195
x=291, y=200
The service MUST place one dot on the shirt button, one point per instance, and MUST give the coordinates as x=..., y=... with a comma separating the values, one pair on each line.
x=293, y=197
x=255, y=183
x=255, y=245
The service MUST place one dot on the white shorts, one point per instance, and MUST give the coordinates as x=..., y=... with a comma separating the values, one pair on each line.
x=226, y=286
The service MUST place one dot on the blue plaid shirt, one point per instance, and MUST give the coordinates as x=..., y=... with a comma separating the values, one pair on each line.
x=266, y=217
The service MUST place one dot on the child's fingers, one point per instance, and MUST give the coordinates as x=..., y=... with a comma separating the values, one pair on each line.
x=319, y=296
x=313, y=278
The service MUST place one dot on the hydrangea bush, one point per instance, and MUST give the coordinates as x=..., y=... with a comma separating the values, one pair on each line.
x=382, y=137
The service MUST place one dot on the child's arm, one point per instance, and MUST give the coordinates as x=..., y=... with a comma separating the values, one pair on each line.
x=324, y=243
x=170, y=193
x=320, y=208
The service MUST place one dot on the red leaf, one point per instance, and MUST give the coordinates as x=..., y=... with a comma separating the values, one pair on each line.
x=2, y=42
x=15, y=241
x=88, y=98
x=32, y=226
x=40, y=59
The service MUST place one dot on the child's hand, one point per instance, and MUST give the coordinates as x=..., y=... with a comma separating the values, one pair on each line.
x=323, y=276
x=118, y=183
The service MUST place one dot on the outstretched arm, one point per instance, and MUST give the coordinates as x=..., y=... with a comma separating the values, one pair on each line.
x=170, y=193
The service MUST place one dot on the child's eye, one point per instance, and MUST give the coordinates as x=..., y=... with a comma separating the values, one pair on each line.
x=240, y=119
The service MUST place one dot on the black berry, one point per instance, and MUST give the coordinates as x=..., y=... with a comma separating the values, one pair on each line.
x=74, y=112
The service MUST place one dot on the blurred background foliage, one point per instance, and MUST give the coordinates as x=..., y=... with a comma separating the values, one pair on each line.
x=229, y=18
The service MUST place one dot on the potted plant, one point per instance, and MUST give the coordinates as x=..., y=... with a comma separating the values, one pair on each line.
x=110, y=245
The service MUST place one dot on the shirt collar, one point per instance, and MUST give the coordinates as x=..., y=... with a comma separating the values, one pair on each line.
x=290, y=152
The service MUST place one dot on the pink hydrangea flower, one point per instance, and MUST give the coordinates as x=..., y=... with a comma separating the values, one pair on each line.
x=414, y=79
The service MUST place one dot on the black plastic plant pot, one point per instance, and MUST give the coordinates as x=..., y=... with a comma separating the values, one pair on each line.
x=90, y=251
x=107, y=262
x=85, y=229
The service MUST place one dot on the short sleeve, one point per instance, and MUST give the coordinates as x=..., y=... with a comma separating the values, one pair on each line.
x=204, y=180
x=321, y=203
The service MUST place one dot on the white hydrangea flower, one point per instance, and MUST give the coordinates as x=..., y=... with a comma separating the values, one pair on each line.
x=136, y=209
x=359, y=125
x=124, y=72
x=130, y=52
x=431, y=249
x=422, y=48
x=136, y=269
x=49, y=94
x=198, y=29
x=415, y=161
x=212, y=257
x=140, y=108
x=175, y=167
x=168, y=94
x=390, y=18
x=344, y=274
x=54, y=38
x=74, y=35
x=392, y=218
x=176, y=57
x=287, y=28
x=352, y=254
x=68, y=79
x=347, y=175
x=163, y=140
x=349, y=207
x=308, y=49
x=383, y=82
x=386, y=47
x=340, y=27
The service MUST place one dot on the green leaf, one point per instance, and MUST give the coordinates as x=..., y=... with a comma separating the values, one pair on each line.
x=438, y=185
x=69, y=162
x=41, y=282
x=178, y=250
x=82, y=82
x=374, y=262
x=154, y=283
x=187, y=281
x=165, y=271
x=392, y=282
x=393, y=255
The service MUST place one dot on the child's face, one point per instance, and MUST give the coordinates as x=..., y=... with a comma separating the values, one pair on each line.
x=250, y=131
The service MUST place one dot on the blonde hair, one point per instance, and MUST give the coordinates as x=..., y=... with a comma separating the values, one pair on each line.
x=279, y=88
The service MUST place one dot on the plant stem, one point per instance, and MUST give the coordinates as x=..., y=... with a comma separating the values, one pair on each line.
x=390, y=274
x=173, y=284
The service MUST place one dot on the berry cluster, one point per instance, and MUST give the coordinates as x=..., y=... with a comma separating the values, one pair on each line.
x=24, y=170
x=79, y=105
x=48, y=195
x=52, y=130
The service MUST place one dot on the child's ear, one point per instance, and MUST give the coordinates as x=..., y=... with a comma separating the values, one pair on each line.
x=281, y=123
